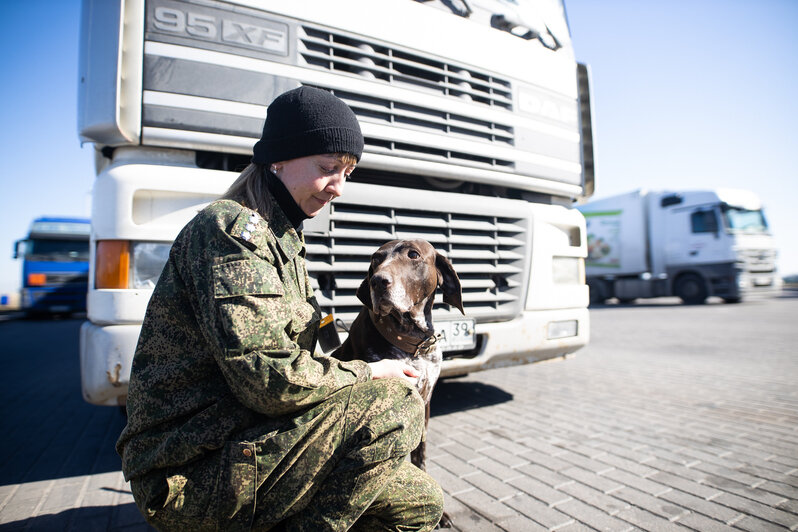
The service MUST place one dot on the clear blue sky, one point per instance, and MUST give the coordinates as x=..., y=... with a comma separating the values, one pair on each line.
x=688, y=94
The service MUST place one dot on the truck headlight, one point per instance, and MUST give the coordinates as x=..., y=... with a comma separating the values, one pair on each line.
x=121, y=264
x=567, y=270
x=149, y=259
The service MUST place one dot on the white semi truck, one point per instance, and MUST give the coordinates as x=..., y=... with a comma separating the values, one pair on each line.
x=477, y=122
x=689, y=243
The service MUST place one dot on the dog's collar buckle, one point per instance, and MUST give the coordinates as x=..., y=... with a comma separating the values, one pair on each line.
x=427, y=346
x=401, y=341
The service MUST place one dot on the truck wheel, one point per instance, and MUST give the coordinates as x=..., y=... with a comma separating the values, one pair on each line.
x=598, y=292
x=691, y=289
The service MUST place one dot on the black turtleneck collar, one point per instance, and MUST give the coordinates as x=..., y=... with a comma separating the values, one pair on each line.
x=292, y=211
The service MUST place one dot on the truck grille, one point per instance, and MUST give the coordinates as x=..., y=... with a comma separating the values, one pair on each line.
x=758, y=260
x=346, y=56
x=374, y=109
x=57, y=279
x=487, y=252
x=374, y=61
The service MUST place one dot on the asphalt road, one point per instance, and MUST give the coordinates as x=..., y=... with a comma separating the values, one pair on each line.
x=674, y=418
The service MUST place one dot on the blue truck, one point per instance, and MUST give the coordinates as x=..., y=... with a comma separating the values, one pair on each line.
x=55, y=265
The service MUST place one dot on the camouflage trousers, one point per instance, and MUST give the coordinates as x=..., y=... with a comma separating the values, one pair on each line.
x=339, y=466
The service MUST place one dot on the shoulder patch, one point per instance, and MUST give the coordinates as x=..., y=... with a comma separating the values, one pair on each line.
x=246, y=277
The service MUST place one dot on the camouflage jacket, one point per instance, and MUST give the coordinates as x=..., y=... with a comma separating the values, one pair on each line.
x=228, y=341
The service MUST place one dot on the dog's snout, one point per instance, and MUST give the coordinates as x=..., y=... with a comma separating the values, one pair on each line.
x=380, y=280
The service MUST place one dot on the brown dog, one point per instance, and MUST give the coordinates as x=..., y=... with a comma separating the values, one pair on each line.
x=396, y=322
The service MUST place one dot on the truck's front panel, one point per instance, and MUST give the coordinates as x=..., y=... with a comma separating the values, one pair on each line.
x=472, y=142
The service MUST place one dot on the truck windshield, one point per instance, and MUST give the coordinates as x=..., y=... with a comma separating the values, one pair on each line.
x=739, y=220
x=57, y=250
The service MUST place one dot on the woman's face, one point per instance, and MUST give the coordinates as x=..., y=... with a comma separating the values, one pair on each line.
x=313, y=181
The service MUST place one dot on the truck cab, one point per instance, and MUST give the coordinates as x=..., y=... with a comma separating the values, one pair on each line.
x=691, y=243
x=716, y=243
x=55, y=265
x=477, y=121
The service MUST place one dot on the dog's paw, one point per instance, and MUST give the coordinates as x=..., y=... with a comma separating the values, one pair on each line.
x=445, y=522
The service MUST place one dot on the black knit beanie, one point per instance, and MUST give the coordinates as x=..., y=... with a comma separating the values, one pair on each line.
x=307, y=121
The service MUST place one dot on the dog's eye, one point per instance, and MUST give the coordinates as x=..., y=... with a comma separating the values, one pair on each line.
x=413, y=254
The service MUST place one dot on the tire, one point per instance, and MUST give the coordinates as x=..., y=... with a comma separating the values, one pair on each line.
x=598, y=292
x=691, y=289
x=627, y=300
x=732, y=299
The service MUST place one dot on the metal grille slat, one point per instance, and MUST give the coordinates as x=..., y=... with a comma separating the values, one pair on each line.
x=484, y=254
x=509, y=241
x=363, y=217
x=314, y=248
x=382, y=235
x=364, y=250
x=430, y=220
x=473, y=225
x=351, y=284
x=432, y=238
x=485, y=270
x=482, y=297
x=471, y=284
x=509, y=255
x=474, y=240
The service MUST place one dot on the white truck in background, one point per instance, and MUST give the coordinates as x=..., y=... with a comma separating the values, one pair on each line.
x=477, y=125
x=691, y=243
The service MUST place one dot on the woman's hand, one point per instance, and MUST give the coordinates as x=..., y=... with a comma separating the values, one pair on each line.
x=388, y=367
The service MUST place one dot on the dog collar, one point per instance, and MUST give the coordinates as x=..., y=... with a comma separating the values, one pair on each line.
x=416, y=347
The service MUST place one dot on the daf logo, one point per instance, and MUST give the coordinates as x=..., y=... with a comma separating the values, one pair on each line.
x=205, y=23
x=539, y=105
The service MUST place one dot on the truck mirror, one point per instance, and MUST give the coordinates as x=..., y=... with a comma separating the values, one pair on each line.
x=17, y=252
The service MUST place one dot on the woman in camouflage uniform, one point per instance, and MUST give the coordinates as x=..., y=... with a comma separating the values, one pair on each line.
x=234, y=423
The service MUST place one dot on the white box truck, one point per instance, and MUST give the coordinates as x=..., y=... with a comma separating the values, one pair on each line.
x=477, y=128
x=690, y=243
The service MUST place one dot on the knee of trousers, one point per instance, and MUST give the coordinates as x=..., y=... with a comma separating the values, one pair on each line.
x=435, y=501
x=393, y=417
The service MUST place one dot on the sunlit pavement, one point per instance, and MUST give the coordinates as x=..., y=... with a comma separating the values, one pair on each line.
x=674, y=418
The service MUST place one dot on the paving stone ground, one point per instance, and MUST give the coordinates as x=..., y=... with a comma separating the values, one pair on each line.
x=674, y=418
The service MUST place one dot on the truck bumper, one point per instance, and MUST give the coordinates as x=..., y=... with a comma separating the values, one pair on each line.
x=523, y=340
x=106, y=352
x=760, y=283
x=106, y=355
x=54, y=299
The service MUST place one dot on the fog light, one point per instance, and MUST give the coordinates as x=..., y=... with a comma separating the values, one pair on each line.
x=562, y=329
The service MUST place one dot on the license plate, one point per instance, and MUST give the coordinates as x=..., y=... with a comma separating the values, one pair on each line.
x=456, y=335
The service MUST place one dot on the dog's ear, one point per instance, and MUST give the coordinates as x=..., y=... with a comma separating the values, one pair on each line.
x=364, y=291
x=449, y=282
